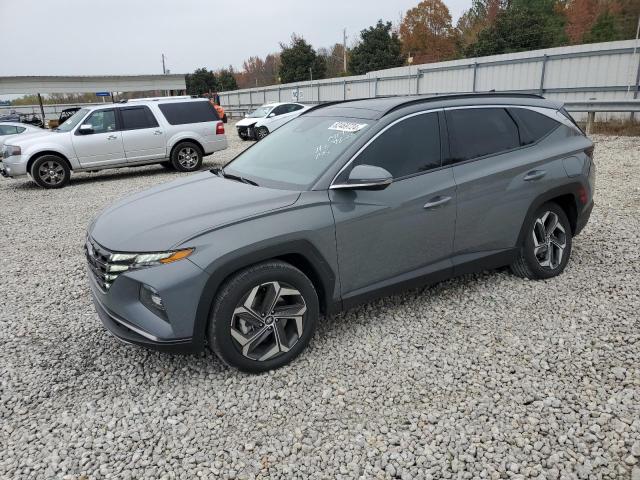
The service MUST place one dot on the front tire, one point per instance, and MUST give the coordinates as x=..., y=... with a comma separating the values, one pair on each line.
x=261, y=132
x=50, y=171
x=547, y=244
x=263, y=317
x=186, y=157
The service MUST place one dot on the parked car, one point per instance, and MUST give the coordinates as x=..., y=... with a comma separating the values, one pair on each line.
x=265, y=119
x=174, y=131
x=9, y=130
x=345, y=203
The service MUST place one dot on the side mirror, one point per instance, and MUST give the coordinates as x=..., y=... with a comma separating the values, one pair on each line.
x=271, y=115
x=366, y=177
x=85, y=129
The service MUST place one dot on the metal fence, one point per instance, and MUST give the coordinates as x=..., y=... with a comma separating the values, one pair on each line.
x=578, y=73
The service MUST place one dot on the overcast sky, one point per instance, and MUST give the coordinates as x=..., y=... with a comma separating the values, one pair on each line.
x=91, y=37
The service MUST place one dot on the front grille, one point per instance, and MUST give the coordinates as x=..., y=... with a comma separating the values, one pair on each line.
x=105, y=265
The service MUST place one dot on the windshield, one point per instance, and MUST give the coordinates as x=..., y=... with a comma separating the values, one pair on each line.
x=260, y=112
x=73, y=120
x=295, y=155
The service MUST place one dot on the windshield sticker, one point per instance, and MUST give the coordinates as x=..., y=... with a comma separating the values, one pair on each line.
x=321, y=151
x=350, y=127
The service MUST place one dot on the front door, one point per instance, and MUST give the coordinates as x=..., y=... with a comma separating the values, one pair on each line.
x=406, y=230
x=102, y=144
x=142, y=137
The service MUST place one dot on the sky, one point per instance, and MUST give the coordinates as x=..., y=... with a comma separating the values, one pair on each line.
x=120, y=37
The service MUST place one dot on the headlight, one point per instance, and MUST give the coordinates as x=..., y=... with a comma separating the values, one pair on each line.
x=11, y=150
x=137, y=260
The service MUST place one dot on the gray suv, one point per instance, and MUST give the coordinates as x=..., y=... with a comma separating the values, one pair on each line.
x=348, y=202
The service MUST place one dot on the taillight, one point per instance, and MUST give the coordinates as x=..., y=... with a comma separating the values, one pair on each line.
x=219, y=128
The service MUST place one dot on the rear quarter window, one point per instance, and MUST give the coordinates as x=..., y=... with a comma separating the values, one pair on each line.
x=533, y=125
x=182, y=113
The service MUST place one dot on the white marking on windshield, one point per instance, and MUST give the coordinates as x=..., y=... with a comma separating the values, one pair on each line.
x=350, y=127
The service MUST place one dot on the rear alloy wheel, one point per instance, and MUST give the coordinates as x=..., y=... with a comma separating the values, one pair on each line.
x=186, y=157
x=261, y=132
x=50, y=171
x=547, y=246
x=263, y=317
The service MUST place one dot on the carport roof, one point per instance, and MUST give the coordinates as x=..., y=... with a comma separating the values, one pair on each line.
x=99, y=83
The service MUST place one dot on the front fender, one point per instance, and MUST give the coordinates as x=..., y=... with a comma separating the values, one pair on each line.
x=63, y=148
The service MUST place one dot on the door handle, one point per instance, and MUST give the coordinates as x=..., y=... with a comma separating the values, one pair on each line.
x=157, y=132
x=436, y=202
x=534, y=175
x=111, y=137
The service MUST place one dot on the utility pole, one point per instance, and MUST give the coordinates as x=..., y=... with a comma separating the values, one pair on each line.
x=344, y=50
x=310, y=74
x=164, y=69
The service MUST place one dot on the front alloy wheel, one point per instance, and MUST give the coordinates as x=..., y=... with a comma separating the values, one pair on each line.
x=263, y=316
x=50, y=171
x=268, y=321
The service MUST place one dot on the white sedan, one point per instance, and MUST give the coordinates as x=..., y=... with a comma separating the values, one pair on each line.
x=266, y=118
x=11, y=129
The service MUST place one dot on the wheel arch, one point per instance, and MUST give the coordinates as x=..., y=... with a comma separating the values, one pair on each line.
x=186, y=139
x=566, y=197
x=42, y=153
x=301, y=254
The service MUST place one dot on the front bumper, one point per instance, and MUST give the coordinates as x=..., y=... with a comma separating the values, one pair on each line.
x=12, y=167
x=121, y=311
x=246, y=132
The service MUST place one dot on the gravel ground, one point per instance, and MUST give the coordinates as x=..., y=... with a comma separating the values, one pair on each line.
x=485, y=376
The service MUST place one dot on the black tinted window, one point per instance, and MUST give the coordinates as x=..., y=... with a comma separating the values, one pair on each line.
x=134, y=118
x=295, y=107
x=533, y=125
x=179, y=113
x=475, y=132
x=410, y=146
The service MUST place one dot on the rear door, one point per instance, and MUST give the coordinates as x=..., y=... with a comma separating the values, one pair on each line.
x=142, y=136
x=499, y=170
x=103, y=144
x=406, y=230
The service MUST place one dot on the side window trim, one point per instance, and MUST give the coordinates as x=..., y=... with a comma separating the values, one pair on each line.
x=379, y=133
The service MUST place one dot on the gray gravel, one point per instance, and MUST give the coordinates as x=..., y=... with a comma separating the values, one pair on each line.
x=485, y=376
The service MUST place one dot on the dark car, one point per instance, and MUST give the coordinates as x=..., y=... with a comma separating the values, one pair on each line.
x=347, y=202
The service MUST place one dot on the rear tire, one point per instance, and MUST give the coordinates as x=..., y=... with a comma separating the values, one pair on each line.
x=263, y=317
x=186, y=157
x=50, y=171
x=547, y=244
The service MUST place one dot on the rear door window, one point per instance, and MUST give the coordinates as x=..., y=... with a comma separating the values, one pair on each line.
x=533, y=125
x=410, y=146
x=181, y=113
x=135, y=118
x=476, y=132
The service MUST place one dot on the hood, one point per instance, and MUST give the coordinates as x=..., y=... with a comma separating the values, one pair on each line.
x=162, y=217
x=24, y=138
x=245, y=122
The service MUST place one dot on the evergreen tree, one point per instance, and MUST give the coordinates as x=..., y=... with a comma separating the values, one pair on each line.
x=299, y=61
x=379, y=48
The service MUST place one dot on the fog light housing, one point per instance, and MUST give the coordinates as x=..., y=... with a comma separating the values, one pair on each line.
x=151, y=299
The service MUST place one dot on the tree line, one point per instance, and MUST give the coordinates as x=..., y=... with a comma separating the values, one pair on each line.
x=426, y=33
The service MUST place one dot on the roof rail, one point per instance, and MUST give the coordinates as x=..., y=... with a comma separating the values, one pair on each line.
x=455, y=96
x=155, y=99
x=338, y=102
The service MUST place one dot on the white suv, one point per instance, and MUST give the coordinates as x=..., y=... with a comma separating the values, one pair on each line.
x=174, y=131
